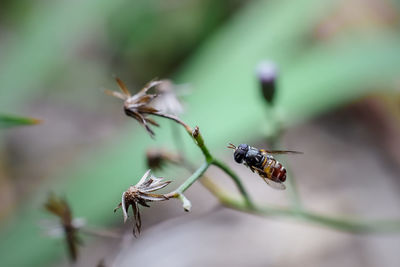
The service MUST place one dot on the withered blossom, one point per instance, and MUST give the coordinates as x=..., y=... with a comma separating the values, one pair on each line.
x=167, y=99
x=157, y=158
x=137, y=106
x=140, y=194
x=70, y=226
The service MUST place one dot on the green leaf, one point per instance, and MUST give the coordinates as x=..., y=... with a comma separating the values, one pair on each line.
x=8, y=121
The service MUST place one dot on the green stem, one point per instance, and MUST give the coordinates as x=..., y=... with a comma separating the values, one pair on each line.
x=193, y=178
x=245, y=205
x=198, y=138
x=236, y=180
x=355, y=225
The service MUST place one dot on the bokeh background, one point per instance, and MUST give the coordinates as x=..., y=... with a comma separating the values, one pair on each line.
x=337, y=97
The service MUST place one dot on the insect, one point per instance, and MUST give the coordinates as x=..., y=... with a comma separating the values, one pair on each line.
x=263, y=163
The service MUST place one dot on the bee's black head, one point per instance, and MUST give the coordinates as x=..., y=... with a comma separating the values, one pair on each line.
x=240, y=153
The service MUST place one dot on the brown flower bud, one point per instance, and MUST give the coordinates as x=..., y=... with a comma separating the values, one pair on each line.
x=267, y=74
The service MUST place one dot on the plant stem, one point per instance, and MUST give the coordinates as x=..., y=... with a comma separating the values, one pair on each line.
x=198, y=138
x=193, y=178
x=236, y=179
x=174, y=118
x=344, y=224
x=99, y=232
x=356, y=225
x=178, y=193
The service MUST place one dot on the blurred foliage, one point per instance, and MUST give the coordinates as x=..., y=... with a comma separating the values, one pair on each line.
x=7, y=121
x=143, y=39
x=150, y=50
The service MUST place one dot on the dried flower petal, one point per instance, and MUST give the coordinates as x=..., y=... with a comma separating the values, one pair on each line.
x=156, y=186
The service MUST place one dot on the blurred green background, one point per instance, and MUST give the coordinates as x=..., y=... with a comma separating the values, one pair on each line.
x=57, y=57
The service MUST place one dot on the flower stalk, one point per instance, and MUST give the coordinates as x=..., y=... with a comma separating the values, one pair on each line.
x=245, y=204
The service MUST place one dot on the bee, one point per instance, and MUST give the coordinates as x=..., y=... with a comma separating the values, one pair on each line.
x=263, y=163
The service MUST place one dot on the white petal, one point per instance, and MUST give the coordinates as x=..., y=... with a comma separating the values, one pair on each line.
x=143, y=178
x=123, y=207
x=155, y=187
x=153, y=197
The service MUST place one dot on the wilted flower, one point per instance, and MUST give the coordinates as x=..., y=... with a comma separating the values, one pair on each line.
x=137, y=106
x=70, y=226
x=167, y=99
x=157, y=158
x=267, y=74
x=140, y=194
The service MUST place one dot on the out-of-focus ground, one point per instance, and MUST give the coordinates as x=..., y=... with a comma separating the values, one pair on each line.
x=345, y=170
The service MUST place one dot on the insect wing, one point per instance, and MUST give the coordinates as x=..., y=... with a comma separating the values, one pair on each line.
x=264, y=176
x=275, y=185
x=264, y=151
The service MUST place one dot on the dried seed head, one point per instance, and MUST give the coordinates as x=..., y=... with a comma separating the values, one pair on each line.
x=157, y=158
x=137, y=106
x=140, y=194
x=267, y=74
x=70, y=226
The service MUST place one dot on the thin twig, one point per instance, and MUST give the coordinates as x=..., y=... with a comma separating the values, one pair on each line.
x=178, y=193
x=174, y=118
x=355, y=225
x=236, y=179
x=198, y=139
x=348, y=224
x=100, y=232
x=195, y=176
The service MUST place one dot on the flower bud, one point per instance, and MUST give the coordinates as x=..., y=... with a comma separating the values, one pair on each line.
x=267, y=74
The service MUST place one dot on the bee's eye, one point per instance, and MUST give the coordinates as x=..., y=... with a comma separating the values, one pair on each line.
x=243, y=147
x=239, y=155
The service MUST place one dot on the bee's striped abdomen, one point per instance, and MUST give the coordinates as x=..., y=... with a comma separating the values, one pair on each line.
x=274, y=169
